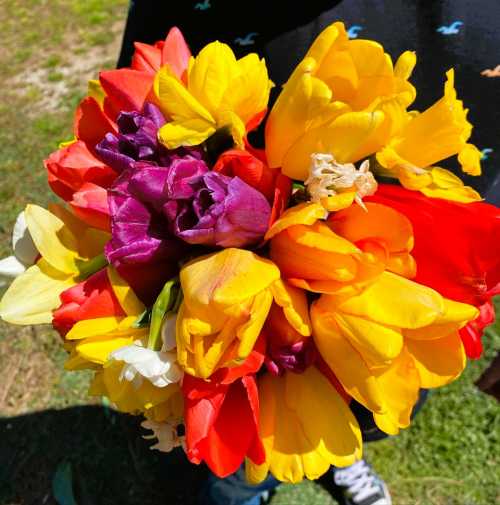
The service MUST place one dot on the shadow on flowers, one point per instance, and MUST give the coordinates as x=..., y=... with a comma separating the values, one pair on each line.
x=109, y=461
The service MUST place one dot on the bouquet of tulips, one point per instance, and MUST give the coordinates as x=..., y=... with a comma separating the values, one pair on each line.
x=251, y=295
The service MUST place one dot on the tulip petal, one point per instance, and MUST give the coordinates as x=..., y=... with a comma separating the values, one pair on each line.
x=210, y=75
x=350, y=137
x=124, y=293
x=453, y=317
x=125, y=88
x=377, y=343
x=334, y=427
x=418, y=306
x=226, y=278
x=294, y=303
x=175, y=52
x=175, y=101
x=52, y=238
x=32, y=296
x=437, y=133
x=189, y=132
x=97, y=349
x=90, y=241
x=333, y=36
x=209, y=350
x=248, y=92
x=375, y=72
x=438, y=362
x=344, y=360
x=146, y=58
x=303, y=97
x=297, y=444
x=401, y=385
x=126, y=396
x=108, y=326
x=470, y=159
x=91, y=124
x=90, y=204
x=233, y=431
x=249, y=332
x=377, y=221
x=405, y=65
x=304, y=213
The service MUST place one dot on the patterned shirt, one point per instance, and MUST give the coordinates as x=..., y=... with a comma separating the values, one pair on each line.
x=462, y=34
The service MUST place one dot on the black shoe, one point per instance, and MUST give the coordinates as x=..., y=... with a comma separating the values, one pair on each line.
x=357, y=484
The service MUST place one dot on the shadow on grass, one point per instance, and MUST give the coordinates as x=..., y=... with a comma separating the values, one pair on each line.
x=110, y=461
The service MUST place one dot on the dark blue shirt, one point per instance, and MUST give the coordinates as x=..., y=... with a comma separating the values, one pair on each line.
x=463, y=34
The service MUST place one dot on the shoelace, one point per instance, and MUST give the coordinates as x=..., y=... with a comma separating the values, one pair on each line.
x=359, y=481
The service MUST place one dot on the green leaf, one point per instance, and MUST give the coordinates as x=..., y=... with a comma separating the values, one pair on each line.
x=143, y=320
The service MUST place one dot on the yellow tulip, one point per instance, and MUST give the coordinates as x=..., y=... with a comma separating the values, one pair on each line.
x=440, y=132
x=221, y=91
x=345, y=98
x=68, y=250
x=227, y=296
x=387, y=342
x=91, y=341
x=305, y=427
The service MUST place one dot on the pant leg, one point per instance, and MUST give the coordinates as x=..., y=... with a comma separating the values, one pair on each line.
x=233, y=490
x=369, y=430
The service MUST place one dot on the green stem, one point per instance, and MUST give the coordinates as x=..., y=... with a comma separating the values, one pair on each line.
x=87, y=268
x=165, y=301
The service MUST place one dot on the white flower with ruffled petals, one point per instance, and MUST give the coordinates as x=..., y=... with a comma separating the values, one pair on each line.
x=160, y=368
x=166, y=434
x=327, y=178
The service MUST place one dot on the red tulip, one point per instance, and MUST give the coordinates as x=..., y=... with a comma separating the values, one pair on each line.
x=126, y=89
x=74, y=172
x=457, y=250
x=90, y=204
x=90, y=299
x=472, y=333
x=70, y=167
x=78, y=177
x=222, y=416
x=91, y=123
x=146, y=58
x=172, y=51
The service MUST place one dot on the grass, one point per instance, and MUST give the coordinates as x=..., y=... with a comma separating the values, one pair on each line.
x=49, y=49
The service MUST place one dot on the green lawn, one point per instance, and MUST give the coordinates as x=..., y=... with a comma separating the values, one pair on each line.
x=49, y=50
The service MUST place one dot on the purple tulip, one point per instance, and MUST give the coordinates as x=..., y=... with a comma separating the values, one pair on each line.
x=164, y=200
x=137, y=140
x=212, y=209
x=141, y=248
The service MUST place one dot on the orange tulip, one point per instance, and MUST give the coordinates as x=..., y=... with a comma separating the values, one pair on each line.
x=312, y=256
x=381, y=231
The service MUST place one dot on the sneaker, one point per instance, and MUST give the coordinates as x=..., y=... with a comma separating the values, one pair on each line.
x=358, y=484
x=260, y=499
